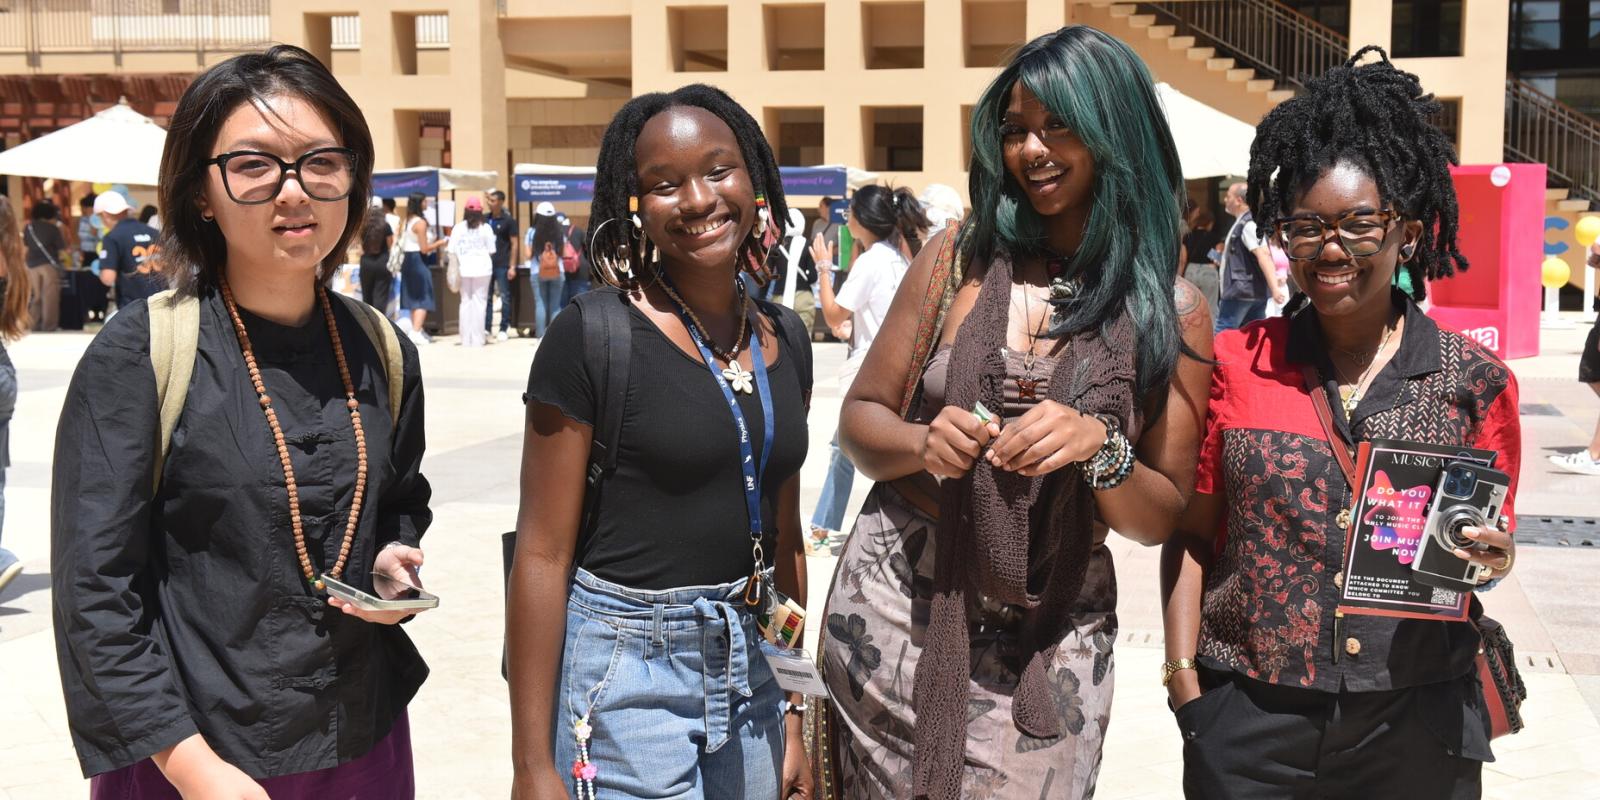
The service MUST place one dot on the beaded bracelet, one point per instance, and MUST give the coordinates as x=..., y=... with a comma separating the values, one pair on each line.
x=1113, y=464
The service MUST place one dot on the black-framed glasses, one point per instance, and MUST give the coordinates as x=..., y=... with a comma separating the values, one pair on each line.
x=1361, y=233
x=252, y=177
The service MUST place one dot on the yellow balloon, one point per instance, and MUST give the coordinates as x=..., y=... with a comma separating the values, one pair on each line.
x=1587, y=231
x=1555, y=273
x=101, y=188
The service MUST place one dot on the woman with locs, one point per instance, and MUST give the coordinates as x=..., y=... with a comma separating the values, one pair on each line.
x=1279, y=693
x=1053, y=400
x=652, y=684
x=199, y=654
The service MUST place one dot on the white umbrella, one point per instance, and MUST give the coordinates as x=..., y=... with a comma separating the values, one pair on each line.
x=1210, y=143
x=117, y=145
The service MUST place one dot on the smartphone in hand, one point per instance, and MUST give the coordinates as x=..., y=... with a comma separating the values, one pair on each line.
x=402, y=596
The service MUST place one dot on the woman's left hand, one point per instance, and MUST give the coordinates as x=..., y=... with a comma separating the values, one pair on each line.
x=1502, y=550
x=400, y=562
x=1050, y=436
x=797, y=781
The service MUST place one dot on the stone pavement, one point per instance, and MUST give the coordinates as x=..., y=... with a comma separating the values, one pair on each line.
x=460, y=720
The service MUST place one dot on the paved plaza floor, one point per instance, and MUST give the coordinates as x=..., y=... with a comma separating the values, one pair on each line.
x=460, y=721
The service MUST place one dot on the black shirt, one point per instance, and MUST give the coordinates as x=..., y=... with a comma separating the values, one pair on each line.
x=505, y=235
x=44, y=244
x=1198, y=243
x=127, y=248
x=673, y=514
x=187, y=611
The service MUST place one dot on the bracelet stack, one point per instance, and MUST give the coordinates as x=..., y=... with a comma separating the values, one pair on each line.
x=1113, y=462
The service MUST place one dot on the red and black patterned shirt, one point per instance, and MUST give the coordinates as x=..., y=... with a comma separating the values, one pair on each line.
x=1270, y=595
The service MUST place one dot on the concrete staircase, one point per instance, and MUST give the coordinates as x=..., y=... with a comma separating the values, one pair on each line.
x=1188, y=65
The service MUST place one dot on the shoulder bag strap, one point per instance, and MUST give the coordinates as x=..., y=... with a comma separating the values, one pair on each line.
x=796, y=342
x=942, y=283
x=607, y=337
x=1319, y=401
x=174, y=340
x=387, y=343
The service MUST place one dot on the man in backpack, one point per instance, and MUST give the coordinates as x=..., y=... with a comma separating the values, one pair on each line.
x=505, y=255
x=546, y=242
x=1249, y=278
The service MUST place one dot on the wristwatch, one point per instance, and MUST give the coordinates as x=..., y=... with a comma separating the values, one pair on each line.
x=1173, y=666
x=793, y=708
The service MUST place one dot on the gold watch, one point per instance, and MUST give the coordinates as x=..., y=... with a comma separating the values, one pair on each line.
x=1173, y=666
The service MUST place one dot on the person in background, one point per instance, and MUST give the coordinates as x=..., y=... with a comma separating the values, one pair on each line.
x=473, y=242
x=890, y=227
x=805, y=297
x=389, y=216
x=416, y=281
x=88, y=232
x=127, y=251
x=1587, y=460
x=1249, y=277
x=45, y=249
x=577, y=278
x=149, y=216
x=377, y=282
x=503, y=263
x=943, y=206
x=546, y=240
x=14, y=324
x=1196, y=264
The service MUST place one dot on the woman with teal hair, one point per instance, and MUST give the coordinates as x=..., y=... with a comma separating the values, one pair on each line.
x=1038, y=380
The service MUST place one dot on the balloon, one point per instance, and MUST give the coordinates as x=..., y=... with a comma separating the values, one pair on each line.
x=1555, y=273
x=102, y=188
x=1587, y=231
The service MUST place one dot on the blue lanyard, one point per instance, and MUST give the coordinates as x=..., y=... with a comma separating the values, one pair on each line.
x=752, y=473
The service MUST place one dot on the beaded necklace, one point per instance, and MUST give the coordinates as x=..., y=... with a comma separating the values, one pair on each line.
x=283, y=448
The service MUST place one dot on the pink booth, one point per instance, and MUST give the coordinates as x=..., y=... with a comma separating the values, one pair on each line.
x=1497, y=300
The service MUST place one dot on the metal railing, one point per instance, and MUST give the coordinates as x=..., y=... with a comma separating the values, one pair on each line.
x=1265, y=35
x=1543, y=129
x=38, y=27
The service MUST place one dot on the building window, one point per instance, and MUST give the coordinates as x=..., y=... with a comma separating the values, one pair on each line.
x=1425, y=29
x=422, y=44
x=699, y=38
x=1594, y=24
x=893, y=138
x=1449, y=119
x=991, y=30
x=1536, y=25
x=796, y=36
x=892, y=34
x=795, y=135
x=1331, y=14
x=345, y=31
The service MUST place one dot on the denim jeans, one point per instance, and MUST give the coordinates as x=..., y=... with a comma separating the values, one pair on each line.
x=549, y=296
x=1233, y=314
x=8, y=405
x=679, y=698
x=835, y=490
x=577, y=283
x=499, y=283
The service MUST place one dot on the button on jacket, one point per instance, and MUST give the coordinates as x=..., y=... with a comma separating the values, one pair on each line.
x=187, y=611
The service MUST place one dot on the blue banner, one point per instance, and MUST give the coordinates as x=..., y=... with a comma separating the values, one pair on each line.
x=813, y=181
x=400, y=183
x=534, y=187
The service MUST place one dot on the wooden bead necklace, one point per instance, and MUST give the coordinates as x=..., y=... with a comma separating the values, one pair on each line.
x=283, y=448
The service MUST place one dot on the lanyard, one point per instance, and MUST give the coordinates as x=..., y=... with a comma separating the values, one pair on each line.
x=752, y=473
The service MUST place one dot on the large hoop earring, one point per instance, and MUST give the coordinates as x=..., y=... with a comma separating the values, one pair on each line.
x=615, y=268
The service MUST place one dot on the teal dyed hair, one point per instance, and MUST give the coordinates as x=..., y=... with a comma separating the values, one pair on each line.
x=1129, y=254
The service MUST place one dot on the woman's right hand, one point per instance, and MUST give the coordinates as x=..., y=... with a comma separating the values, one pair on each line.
x=1184, y=688
x=954, y=440
x=542, y=784
x=198, y=773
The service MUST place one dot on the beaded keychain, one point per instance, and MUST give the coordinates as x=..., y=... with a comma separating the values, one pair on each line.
x=583, y=770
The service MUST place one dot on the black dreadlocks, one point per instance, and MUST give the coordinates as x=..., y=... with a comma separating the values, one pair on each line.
x=616, y=175
x=1377, y=118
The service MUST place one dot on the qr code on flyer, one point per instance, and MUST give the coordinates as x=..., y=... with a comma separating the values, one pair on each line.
x=1445, y=597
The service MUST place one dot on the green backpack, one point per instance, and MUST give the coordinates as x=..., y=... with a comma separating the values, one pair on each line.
x=175, y=339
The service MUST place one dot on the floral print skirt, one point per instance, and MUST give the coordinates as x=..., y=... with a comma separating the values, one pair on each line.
x=877, y=616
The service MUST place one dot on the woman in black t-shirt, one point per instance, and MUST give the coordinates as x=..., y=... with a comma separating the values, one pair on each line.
x=662, y=687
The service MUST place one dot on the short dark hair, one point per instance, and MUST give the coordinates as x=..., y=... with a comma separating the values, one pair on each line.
x=498, y=195
x=42, y=211
x=1378, y=119
x=193, y=250
x=87, y=201
x=388, y=204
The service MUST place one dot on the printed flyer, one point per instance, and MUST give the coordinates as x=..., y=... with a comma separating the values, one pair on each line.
x=1397, y=485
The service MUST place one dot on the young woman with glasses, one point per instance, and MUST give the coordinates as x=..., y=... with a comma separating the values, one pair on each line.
x=1292, y=698
x=199, y=652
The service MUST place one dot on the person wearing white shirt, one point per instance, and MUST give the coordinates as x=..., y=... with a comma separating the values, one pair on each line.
x=890, y=226
x=473, y=243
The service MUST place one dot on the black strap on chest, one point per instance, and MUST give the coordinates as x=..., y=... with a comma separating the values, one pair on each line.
x=1319, y=401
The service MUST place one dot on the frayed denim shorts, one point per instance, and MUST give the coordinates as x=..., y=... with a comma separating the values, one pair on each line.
x=680, y=700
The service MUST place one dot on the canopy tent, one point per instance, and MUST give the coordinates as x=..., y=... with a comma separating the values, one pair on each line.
x=1210, y=143
x=430, y=181
x=117, y=145
x=555, y=183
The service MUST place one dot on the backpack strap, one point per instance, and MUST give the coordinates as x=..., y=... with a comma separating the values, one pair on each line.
x=174, y=340
x=608, y=341
x=386, y=342
x=796, y=340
